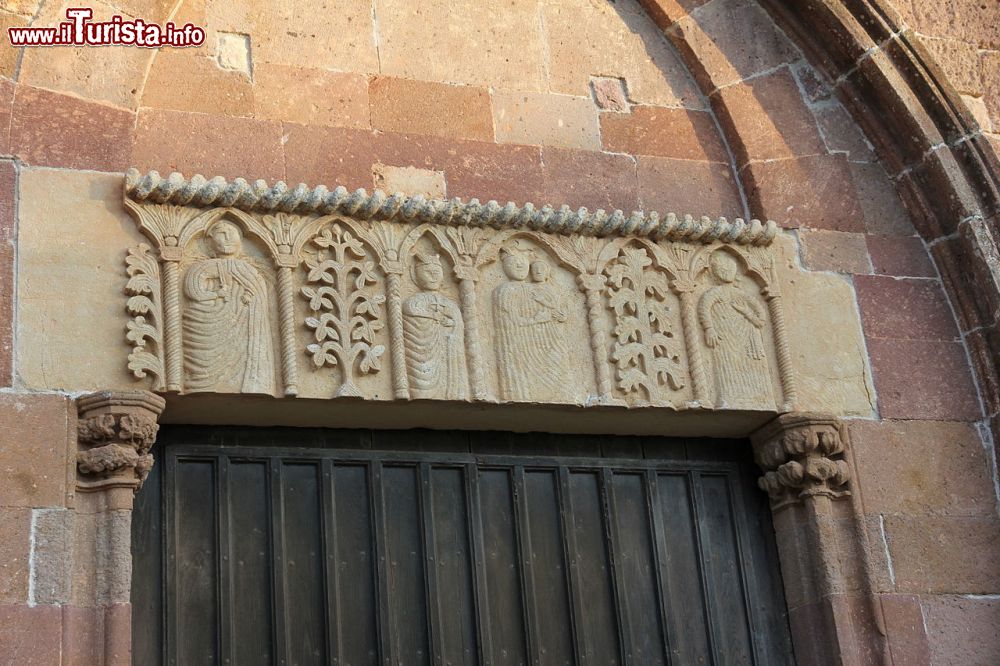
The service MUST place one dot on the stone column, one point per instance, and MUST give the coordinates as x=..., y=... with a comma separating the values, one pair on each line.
x=834, y=611
x=115, y=431
x=173, y=331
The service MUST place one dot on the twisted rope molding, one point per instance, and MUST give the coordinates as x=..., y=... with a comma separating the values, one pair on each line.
x=218, y=192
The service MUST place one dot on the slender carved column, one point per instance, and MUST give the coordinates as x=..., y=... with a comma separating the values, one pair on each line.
x=173, y=333
x=785, y=369
x=115, y=431
x=400, y=382
x=592, y=285
x=467, y=292
x=286, y=315
x=692, y=334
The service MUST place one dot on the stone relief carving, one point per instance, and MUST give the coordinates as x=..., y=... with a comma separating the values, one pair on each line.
x=433, y=334
x=242, y=283
x=226, y=323
x=733, y=323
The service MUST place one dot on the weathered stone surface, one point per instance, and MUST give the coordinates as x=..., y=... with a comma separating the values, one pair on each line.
x=15, y=544
x=316, y=154
x=923, y=468
x=49, y=129
x=8, y=195
x=8, y=56
x=563, y=121
x=768, y=119
x=908, y=308
x=882, y=210
x=310, y=96
x=688, y=187
x=901, y=256
x=841, y=134
x=592, y=179
x=962, y=629
x=978, y=22
x=980, y=112
x=484, y=43
x=35, y=444
x=630, y=46
x=418, y=107
x=31, y=635
x=904, y=623
x=610, y=94
x=6, y=112
x=233, y=52
x=201, y=143
x=945, y=555
x=991, y=84
x=964, y=270
x=836, y=251
x=183, y=82
x=714, y=36
x=923, y=379
x=52, y=553
x=813, y=192
x=410, y=180
x=959, y=60
x=664, y=132
x=665, y=12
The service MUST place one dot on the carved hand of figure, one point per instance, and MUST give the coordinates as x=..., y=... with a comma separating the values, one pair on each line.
x=223, y=293
x=749, y=313
x=712, y=337
x=246, y=297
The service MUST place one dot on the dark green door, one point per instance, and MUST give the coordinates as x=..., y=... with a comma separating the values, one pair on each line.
x=293, y=546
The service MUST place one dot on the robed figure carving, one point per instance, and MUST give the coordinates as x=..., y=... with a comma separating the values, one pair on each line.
x=432, y=332
x=733, y=322
x=227, y=340
x=530, y=322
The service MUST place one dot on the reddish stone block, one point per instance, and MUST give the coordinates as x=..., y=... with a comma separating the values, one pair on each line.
x=686, y=187
x=208, y=144
x=841, y=134
x=900, y=256
x=15, y=547
x=33, y=450
x=31, y=636
x=318, y=155
x=49, y=129
x=923, y=379
x=983, y=344
x=962, y=630
x=945, y=555
x=664, y=132
x=665, y=12
x=421, y=107
x=906, y=308
x=6, y=109
x=881, y=207
x=184, y=82
x=609, y=94
x=814, y=192
x=904, y=624
x=964, y=271
x=768, y=119
x=922, y=468
x=585, y=178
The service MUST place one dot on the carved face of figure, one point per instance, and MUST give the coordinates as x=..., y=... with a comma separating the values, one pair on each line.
x=428, y=273
x=515, y=265
x=724, y=267
x=539, y=271
x=225, y=239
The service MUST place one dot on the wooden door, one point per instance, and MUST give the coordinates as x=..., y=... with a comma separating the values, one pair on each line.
x=293, y=546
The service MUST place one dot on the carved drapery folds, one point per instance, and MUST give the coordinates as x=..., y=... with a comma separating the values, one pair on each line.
x=802, y=455
x=258, y=289
x=115, y=431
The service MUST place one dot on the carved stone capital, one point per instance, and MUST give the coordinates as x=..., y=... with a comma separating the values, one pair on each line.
x=802, y=455
x=115, y=431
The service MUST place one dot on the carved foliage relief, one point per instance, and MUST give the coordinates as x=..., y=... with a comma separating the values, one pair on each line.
x=344, y=306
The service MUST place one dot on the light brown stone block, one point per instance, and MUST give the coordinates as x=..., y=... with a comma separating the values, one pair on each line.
x=484, y=43
x=626, y=43
x=418, y=107
x=15, y=547
x=963, y=629
x=183, y=82
x=991, y=81
x=33, y=449
x=8, y=195
x=541, y=119
x=9, y=55
x=945, y=555
x=6, y=111
x=664, y=132
x=836, y=251
x=49, y=129
x=31, y=636
x=310, y=96
x=688, y=187
x=976, y=22
x=922, y=468
x=591, y=179
x=410, y=181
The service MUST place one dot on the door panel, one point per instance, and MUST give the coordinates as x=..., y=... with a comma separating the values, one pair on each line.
x=443, y=548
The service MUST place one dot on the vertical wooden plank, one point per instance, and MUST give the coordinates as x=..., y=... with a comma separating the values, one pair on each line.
x=704, y=569
x=224, y=613
x=570, y=557
x=408, y=621
x=331, y=579
x=455, y=598
x=659, y=542
x=681, y=571
x=477, y=548
x=635, y=551
x=250, y=562
x=553, y=616
x=169, y=510
x=357, y=582
x=593, y=596
x=428, y=545
x=196, y=573
x=303, y=571
x=147, y=569
x=526, y=566
x=387, y=647
x=279, y=617
x=508, y=611
x=744, y=567
x=618, y=586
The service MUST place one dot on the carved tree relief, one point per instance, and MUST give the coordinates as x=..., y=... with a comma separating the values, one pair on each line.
x=144, y=306
x=347, y=312
x=647, y=351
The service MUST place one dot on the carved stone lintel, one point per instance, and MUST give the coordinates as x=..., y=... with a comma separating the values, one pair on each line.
x=115, y=431
x=802, y=455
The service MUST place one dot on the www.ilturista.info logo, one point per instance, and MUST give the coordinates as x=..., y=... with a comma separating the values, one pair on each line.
x=80, y=31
